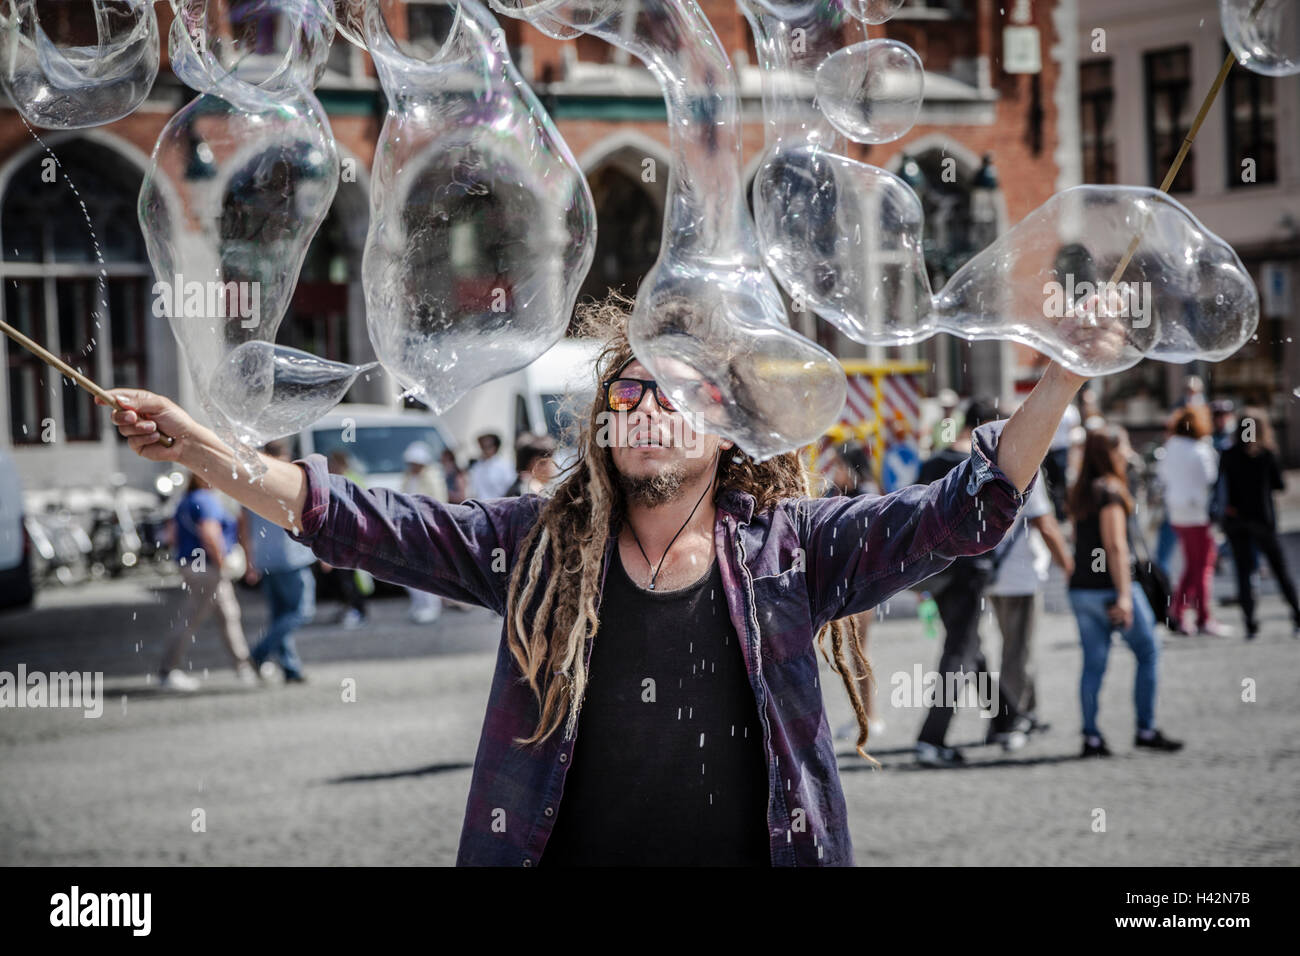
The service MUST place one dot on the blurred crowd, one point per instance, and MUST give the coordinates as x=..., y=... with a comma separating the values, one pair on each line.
x=1203, y=495
x=216, y=546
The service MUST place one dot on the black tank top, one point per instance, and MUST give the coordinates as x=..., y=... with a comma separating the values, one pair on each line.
x=1090, y=569
x=669, y=766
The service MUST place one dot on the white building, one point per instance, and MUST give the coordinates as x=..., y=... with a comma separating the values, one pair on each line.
x=1144, y=70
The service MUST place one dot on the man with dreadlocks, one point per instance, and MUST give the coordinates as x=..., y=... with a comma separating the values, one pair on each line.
x=671, y=594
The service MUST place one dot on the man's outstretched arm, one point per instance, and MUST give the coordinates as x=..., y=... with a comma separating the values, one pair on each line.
x=1028, y=433
x=463, y=552
x=279, y=495
x=1096, y=332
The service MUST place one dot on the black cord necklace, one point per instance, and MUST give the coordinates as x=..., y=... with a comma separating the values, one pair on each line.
x=655, y=570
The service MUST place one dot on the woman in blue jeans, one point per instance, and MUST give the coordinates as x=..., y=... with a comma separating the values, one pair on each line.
x=1102, y=591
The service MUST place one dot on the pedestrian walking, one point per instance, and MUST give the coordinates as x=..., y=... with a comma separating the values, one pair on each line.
x=491, y=476
x=283, y=569
x=1101, y=591
x=1188, y=472
x=454, y=477
x=533, y=458
x=1251, y=476
x=959, y=595
x=1034, y=542
x=204, y=534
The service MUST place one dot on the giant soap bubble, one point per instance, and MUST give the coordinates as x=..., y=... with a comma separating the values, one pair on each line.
x=846, y=240
x=1183, y=296
x=270, y=391
x=1264, y=34
x=843, y=238
x=68, y=72
x=871, y=91
x=268, y=45
x=241, y=178
x=709, y=321
x=482, y=227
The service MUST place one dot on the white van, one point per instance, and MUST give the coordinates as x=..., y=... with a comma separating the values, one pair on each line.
x=534, y=399
x=375, y=437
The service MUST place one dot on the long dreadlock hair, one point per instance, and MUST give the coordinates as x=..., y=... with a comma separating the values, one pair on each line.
x=554, y=587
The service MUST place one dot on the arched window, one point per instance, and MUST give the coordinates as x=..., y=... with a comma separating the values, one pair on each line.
x=52, y=220
x=629, y=224
x=461, y=265
x=317, y=319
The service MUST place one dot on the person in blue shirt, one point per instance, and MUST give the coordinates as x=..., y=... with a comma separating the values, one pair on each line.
x=283, y=567
x=203, y=535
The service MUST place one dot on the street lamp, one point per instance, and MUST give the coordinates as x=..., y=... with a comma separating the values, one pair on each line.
x=911, y=173
x=201, y=163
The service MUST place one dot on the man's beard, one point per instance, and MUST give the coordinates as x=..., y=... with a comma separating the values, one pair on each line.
x=664, y=486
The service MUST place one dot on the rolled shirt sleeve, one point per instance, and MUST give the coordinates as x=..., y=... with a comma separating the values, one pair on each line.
x=862, y=550
x=464, y=552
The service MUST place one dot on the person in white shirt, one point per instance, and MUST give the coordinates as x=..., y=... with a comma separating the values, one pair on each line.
x=1188, y=472
x=491, y=476
x=1056, y=465
x=1034, y=541
x=422, y=478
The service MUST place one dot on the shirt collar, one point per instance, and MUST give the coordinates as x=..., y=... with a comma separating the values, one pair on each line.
x=738, y=504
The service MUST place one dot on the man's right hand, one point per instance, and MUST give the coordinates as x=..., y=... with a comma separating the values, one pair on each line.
x=278, y=492
x=143, y=415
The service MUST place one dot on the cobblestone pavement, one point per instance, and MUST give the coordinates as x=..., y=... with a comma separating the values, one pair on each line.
x=296, y=775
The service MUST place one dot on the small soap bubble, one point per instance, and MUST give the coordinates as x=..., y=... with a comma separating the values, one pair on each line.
x=872, y=91
x=59, y=79
x=271, y=391
x=1265, y=36
x=873, y=11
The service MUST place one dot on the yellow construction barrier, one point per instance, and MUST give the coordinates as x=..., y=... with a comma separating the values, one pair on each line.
x=886, y=425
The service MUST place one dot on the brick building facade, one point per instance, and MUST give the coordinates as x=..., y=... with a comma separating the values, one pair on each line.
x=611, y=113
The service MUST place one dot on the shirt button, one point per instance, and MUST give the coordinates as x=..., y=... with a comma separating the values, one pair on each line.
x=548, y=811
x=564, y=758
x=527, y=862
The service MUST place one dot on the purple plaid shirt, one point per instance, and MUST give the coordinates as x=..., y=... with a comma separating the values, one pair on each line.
x=786, y=572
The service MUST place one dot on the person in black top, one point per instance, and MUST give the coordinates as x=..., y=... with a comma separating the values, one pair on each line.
x=1102, y=594
x=958, y=592
x=1249, y=475
x=669, y=768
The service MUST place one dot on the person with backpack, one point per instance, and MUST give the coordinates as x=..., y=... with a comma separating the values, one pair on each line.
x=959, y=592
x=1102, y=592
